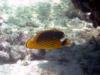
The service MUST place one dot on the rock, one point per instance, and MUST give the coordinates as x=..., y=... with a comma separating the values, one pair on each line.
x=62, y=54
x=18, y=38
x=18, y=52
x=5, y=46
x=4, y=57
x=89, y=57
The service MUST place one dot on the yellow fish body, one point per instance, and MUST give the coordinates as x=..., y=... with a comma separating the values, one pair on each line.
x=32, y=43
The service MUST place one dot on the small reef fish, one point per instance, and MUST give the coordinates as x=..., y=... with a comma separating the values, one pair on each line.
x=48, y=39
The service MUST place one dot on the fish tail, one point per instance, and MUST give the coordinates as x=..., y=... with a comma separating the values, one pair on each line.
x=66, y=42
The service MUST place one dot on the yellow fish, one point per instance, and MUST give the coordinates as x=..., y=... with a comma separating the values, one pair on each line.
x=48, y=39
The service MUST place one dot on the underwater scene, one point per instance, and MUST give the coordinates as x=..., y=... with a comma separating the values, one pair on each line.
x=49, y=37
